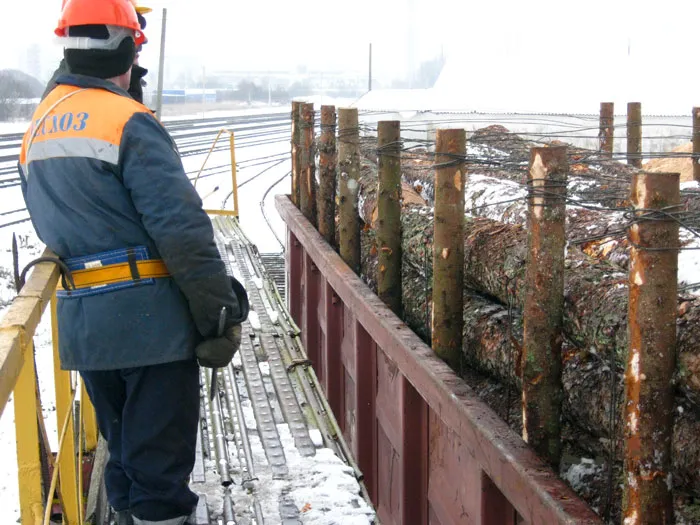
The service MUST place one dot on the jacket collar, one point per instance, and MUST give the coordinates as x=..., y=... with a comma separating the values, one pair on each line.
x=83, y=81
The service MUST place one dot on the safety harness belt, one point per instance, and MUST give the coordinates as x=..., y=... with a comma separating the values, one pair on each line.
x=118, y=273
x=110, y=271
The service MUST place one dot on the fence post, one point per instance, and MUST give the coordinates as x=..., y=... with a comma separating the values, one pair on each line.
x=328, y=162
x=544, y=302
x=696, y=144
x=651, y=360
x=634, y=134
x=448, y=245
x=307, y=180
x=389, y=215
x=349, y=169
x=607, y=127
x=296, y=160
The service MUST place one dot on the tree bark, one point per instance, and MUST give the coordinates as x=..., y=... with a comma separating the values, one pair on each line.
x=296, y=153
x=651, y=361
x=307, y=182
x=448, y=249
x=544, y=302
x=389, y=215
x=349, y=173
x=328, y=160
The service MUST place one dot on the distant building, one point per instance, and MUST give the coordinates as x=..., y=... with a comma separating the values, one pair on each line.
x=181, y=96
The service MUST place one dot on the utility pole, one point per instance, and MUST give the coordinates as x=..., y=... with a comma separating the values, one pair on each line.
x=161, y=66
x=370, y=68
x=204, y=89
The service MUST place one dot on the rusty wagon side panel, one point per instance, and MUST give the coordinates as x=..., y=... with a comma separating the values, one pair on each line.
x=430, y=451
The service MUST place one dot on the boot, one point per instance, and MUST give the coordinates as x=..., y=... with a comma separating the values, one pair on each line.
x=123, y=517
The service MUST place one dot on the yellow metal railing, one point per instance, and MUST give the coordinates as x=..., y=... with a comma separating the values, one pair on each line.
x=35, y=459
x=232, y=147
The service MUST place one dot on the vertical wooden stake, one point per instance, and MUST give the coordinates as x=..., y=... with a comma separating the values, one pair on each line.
x=296, y=160
x=696, y=144
x=651, y=360
x=349, y=170
x=328, y=162
x=607, y=127
x=544, y=302
x=634, y=134
x=307, y=181
x=448, y=245
x=389, y=215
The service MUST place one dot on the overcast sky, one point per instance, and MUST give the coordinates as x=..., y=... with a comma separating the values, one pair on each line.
x=623, y=48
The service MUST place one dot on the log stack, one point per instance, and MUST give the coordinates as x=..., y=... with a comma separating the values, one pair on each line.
x=596, y=294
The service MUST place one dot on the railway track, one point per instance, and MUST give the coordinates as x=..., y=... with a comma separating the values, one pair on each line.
x=192, y=137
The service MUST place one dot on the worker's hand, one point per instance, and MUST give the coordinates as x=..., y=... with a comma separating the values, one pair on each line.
x=218, y=352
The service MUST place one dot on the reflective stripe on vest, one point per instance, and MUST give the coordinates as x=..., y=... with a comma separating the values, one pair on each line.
x=74, y=147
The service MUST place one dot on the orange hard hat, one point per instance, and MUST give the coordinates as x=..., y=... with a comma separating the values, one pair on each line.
x=120, y=13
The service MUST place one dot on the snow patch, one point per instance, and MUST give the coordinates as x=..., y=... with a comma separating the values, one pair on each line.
x=254, y=320
x=579, y=474
x=316, y=437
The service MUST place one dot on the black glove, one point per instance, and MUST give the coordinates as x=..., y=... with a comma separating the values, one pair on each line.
x=218, y=352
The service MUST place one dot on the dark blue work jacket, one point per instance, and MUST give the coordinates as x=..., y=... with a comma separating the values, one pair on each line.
x=102, y=174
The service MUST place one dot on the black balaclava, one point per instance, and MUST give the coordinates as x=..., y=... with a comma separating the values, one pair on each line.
x=99, y=63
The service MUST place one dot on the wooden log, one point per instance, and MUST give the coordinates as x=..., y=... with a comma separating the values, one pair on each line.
x=544, y=302
x=634, y=134
x=328, y=161
x=296, y=152
x=349, y=173
x=448, y=248
x=651, y=359
x=389, y=215
x=600, y=234
x=307, y=182
x=607, y=127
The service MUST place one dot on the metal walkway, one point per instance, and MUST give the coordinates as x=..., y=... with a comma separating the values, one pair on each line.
x=270, y=451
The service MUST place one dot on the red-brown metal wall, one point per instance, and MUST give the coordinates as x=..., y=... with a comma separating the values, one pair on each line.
x=430, y=451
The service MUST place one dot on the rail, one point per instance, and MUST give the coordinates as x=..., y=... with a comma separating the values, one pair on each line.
x=429, y=449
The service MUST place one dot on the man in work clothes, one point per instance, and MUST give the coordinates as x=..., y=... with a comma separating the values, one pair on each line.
x=137, y=72
x=106, y=191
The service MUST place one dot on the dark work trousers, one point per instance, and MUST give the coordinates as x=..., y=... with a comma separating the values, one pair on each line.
x=149, y=417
